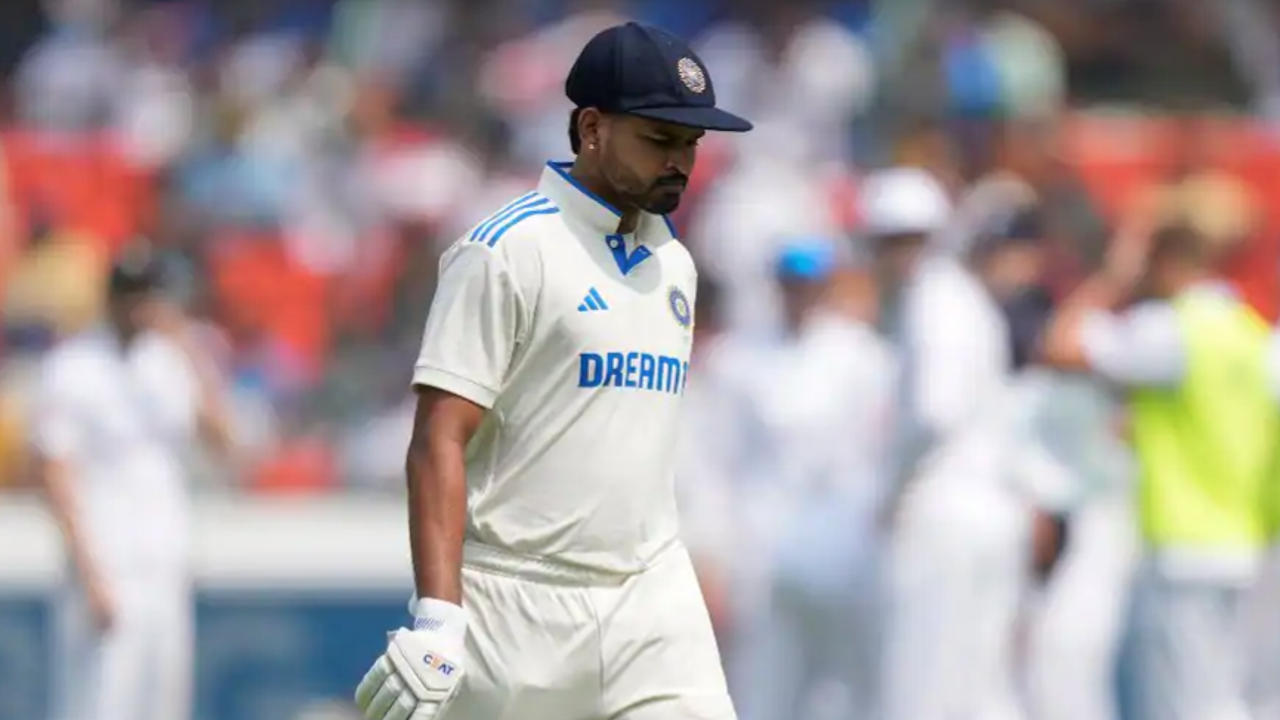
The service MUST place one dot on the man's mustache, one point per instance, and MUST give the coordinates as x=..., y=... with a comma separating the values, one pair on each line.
x=678, y=180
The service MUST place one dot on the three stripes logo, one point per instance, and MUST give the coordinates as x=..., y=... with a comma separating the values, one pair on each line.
x=526, y=206
x=593, y=302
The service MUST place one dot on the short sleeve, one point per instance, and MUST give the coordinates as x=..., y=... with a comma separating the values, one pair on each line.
x=57, y=432
x=1142, y=347
x=952, y=357
x=476, y=321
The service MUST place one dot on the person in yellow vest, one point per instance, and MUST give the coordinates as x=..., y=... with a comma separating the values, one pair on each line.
x=1204, y=425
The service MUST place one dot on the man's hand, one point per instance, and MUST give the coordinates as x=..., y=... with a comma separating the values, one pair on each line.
x=419, y=673
x=415, y=679
x=1129, y=254
x=102, y=606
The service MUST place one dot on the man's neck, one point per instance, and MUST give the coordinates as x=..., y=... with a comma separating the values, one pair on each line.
x=1188, y=280
x=594, y=182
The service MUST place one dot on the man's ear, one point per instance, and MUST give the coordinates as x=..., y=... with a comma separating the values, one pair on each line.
x=591, y=127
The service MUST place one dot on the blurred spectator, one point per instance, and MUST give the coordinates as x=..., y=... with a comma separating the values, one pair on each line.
x=521, y=79
x=55, y=288
x=792, y=67
x=154, y=108
x=69, y=79
x=767, y=194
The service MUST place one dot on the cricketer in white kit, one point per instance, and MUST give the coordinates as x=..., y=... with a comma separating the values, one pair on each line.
x=552, y=583
x=116, y=405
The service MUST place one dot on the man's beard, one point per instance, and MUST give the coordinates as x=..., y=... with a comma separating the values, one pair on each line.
x=662, y=203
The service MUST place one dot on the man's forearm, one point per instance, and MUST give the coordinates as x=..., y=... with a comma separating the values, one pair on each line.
x=1063, y=346
x=437, y=517
x=213, y=417
x=62, y=506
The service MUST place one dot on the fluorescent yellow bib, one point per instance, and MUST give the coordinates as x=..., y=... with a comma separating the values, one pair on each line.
x=1206, y=447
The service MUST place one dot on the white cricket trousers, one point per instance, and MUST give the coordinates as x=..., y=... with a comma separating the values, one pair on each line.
x=1182, y=653
x=552, y=642
x=1074, y=636
x=810, y=649
x=958, y=567
x=140, y=669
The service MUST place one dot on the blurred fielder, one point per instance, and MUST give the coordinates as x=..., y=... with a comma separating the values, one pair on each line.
x=550, y=581
x=116, y=407
x=806, y=476
x=956, y=561
x=1204, y=429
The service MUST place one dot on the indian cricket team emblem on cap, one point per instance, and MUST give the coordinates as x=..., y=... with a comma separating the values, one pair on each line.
x=680, y=307
x=691, y=75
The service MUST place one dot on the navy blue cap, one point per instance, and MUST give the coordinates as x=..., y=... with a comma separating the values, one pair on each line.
x=643, y=70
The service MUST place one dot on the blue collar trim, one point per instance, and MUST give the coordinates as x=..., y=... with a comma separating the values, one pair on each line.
x=671, y=227
x=562, y=169
x=618, y=247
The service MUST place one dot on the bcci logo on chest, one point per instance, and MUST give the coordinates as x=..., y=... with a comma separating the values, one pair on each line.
x=680, y=307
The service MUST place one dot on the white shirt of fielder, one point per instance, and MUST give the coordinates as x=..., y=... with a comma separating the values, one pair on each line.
x=577, y=341
x=955, y=372
x=119, y=419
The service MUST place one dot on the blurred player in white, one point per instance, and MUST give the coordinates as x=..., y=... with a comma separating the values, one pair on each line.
x=956, y=560
x=542, y=517
x=116, y=408
x=806, y=472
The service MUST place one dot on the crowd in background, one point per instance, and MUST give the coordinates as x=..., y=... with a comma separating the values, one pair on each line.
x=300, y=165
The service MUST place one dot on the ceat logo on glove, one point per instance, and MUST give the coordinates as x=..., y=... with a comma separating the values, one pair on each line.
x=437, y=664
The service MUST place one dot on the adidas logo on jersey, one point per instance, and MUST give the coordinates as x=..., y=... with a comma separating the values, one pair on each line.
x=592, y=302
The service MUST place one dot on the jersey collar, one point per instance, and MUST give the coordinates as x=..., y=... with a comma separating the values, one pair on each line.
x=601, y=218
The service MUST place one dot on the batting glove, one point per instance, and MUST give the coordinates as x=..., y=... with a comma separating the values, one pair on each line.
x=419, y=674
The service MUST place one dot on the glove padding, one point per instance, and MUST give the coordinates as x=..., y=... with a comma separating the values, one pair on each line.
x=413, y=680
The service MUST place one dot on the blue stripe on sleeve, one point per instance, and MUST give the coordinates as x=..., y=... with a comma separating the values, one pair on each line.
x=498, y=221
x=475, y=234
x=520, y=218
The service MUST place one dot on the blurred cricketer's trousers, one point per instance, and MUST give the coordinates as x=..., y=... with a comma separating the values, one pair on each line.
x=808, y=647
x=958, y=568
x=1076, y=627
x=1182, y=656
x=141, y=669
x=1262, y=640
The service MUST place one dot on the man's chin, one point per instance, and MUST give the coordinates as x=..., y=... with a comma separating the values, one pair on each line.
x=663, y=204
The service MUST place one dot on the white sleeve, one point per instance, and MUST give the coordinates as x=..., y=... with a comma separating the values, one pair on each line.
x=476, y=321
x=946, y=361
x=57, y=432
x=1141, y=347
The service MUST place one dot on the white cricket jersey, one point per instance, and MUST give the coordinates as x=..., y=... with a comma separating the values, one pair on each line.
x=577, y=340
x=119, y=418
